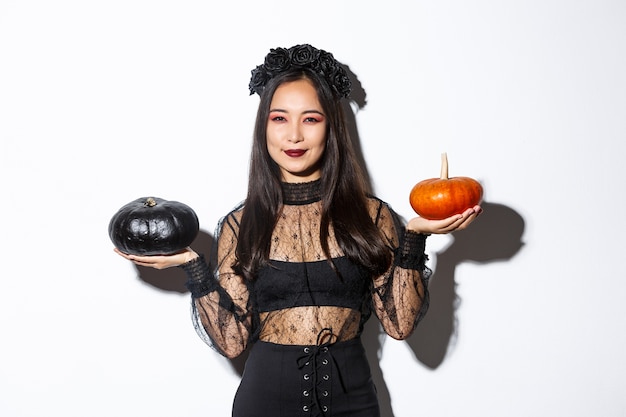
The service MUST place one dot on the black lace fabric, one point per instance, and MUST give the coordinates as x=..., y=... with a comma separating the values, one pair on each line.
x=299, y=299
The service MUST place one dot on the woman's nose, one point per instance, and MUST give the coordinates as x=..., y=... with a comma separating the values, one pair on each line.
x=295, y=135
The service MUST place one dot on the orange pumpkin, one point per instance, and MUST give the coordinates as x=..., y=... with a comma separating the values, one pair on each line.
x=440, y=198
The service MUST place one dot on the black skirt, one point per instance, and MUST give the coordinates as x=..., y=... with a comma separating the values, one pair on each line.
x=306, y=381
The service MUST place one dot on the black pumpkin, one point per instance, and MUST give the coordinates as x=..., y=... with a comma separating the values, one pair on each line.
x=153, y=226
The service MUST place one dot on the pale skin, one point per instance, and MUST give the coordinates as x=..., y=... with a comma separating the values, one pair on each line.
x=296, y=141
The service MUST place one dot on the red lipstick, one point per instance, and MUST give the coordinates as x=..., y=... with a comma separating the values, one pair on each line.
x=295, y=152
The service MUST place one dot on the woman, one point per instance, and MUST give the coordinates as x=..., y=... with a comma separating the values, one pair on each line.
x=302, y=263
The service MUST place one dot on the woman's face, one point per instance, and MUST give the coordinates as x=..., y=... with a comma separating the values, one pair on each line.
x=296, y=131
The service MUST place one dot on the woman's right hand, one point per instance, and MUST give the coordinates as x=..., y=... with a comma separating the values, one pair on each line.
x=160, y=261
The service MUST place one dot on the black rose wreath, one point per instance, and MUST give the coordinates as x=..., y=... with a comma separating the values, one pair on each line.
x=301, y=56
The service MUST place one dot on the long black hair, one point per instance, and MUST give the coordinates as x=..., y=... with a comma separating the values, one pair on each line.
x=344, y=197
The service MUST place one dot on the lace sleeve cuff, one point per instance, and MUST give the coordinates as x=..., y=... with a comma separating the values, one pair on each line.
x=200, y=281
x=411, y=251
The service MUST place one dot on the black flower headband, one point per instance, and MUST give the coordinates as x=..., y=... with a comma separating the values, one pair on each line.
x=301, y=56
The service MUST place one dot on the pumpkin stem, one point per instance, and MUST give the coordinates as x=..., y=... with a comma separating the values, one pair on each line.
x=150, y=202
x=444, y=166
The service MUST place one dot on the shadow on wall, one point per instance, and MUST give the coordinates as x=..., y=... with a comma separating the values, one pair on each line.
x=494, y=236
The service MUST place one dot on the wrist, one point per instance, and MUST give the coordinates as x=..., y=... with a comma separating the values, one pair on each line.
x=417, y=232
x=411, y=253
x=190, y=255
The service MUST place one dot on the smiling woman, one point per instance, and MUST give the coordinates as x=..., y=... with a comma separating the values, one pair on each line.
x=296, y=131
x=319, y=254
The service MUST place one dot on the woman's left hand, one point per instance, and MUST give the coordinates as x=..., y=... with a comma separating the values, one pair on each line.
x=451, y=224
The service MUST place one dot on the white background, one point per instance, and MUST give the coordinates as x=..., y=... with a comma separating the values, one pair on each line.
x=103, y=102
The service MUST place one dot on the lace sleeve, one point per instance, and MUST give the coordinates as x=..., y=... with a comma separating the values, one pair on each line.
x=400, y=296
x=220, y=298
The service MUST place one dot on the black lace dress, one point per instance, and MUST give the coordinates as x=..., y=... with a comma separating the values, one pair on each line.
x=302, y=320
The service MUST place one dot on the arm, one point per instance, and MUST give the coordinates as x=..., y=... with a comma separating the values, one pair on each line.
x=220, y=299
x=400, y=296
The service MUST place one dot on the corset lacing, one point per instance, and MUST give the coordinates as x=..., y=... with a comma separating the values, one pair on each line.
x=316, y=360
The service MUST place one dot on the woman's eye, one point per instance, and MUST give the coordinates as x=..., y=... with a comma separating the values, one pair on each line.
x=277, y=118
x=311, y=120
